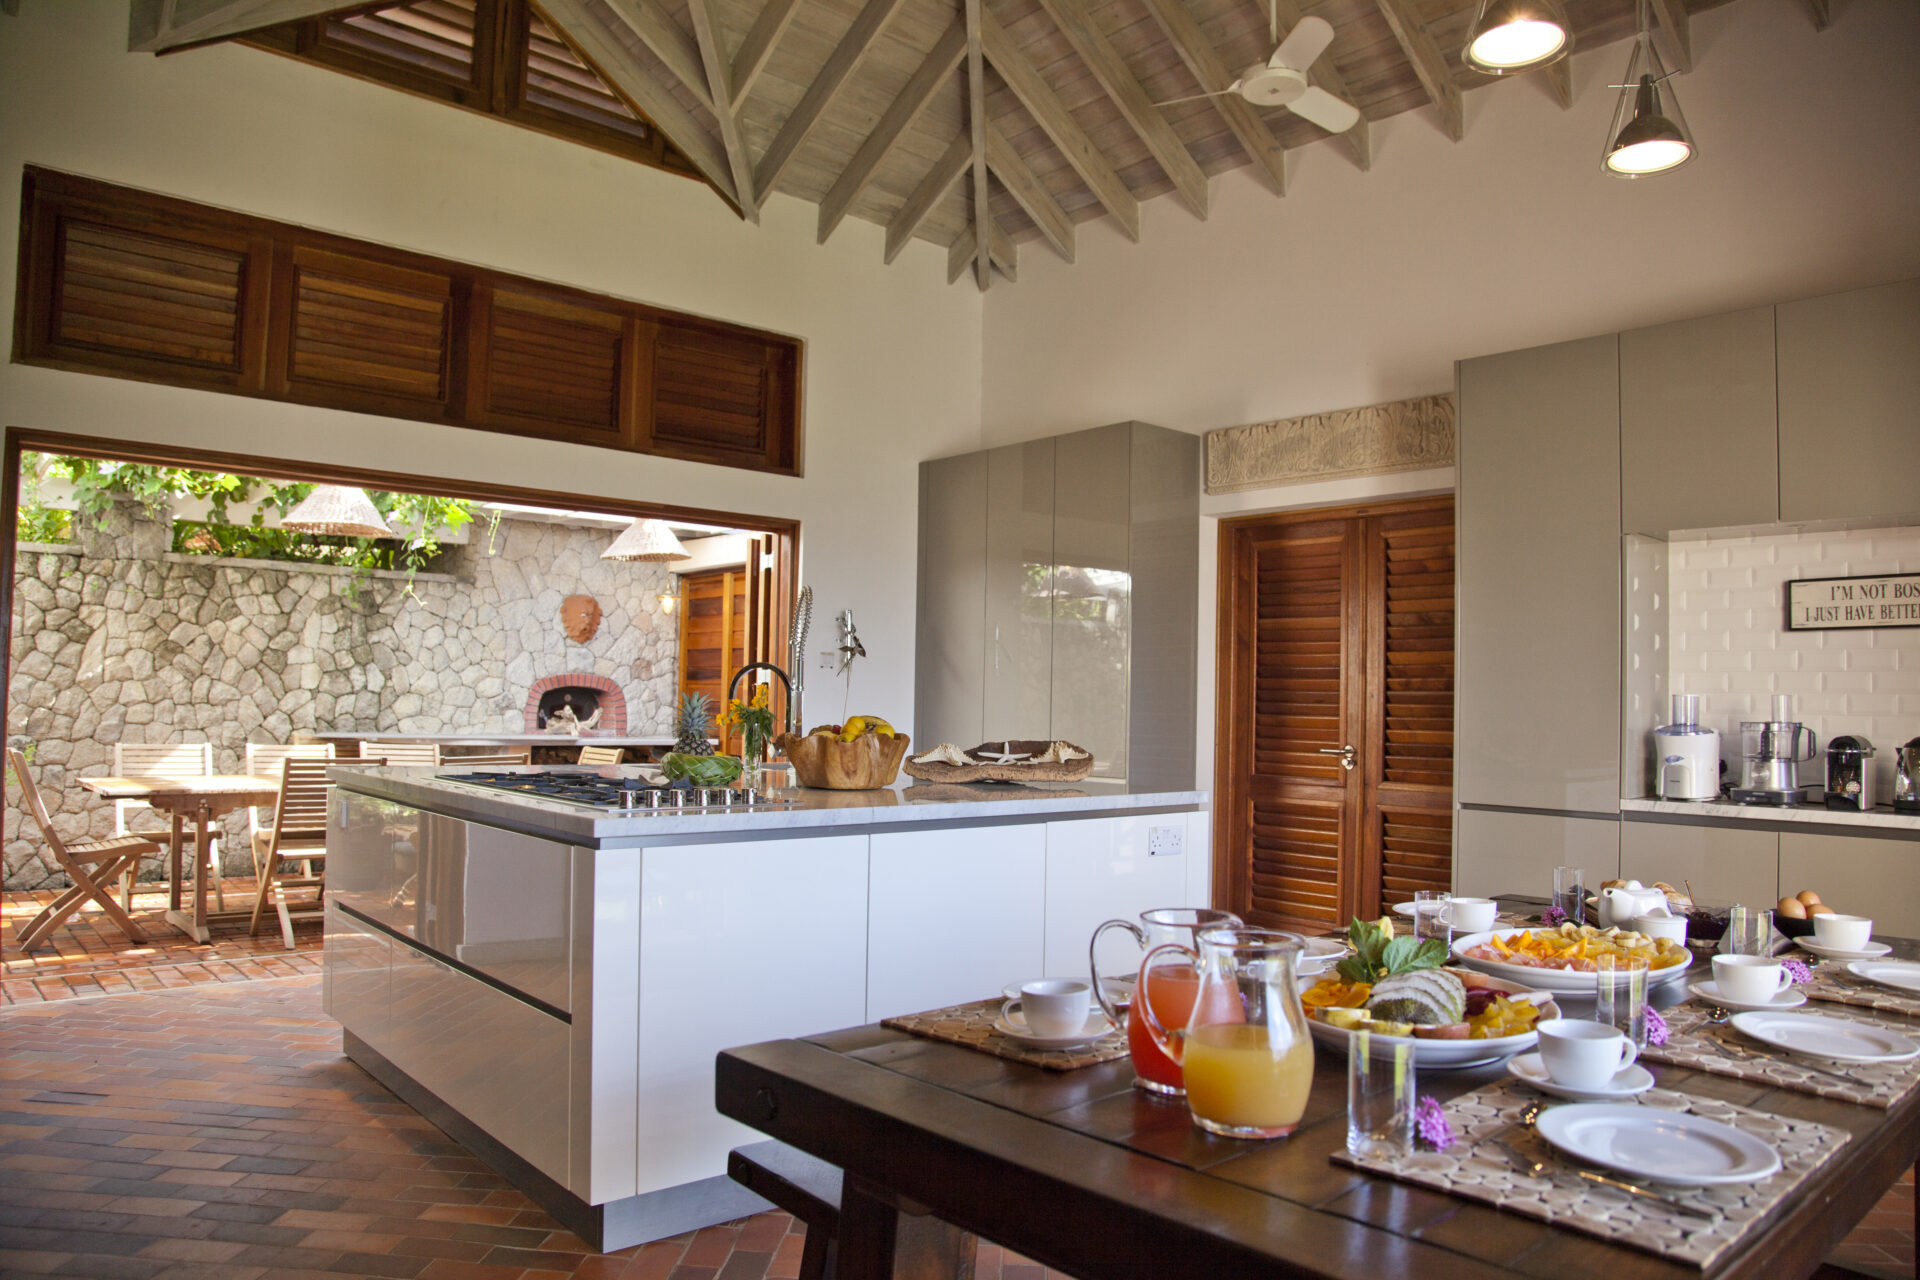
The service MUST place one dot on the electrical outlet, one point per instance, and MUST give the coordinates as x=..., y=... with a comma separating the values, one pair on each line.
x=1163, y=842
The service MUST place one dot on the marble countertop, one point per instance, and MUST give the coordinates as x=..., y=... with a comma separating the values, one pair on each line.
x=815, y=811
x=1805, y=815
x=593, y=737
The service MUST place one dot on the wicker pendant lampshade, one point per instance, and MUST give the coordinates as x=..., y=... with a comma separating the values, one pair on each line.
x=339, y=510
x=648, y=540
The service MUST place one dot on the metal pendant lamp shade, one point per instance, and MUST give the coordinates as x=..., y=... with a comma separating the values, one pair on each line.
x=1517, y=35
x=648, y=540
x=1648, y=134
x=339, y=510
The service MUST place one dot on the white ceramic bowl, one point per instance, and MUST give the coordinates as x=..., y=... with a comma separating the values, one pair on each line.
x=1564, y=981
x=1843, y=933
x=1670, y=927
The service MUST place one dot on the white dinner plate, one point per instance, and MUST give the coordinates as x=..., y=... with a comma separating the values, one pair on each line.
x=1872, y=951
x=1901, y=975
x=1563, y=981
x=1791, y=998
x=1445, y=1054
x=1818, y=1036
x=1013, y=1025
x=1628, y=1081
x=1320, y=955
x=1663, y=1146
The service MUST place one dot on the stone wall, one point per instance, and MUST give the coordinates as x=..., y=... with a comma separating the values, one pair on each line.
x=116, y=639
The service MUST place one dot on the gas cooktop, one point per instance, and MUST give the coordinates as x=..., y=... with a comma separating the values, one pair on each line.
x=620, y=795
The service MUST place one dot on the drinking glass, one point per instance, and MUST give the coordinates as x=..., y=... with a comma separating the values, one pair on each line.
x=1432, y=916
x=1380, y=1097
x=1622, y=995
x=1570, y=893
x=1749, y=932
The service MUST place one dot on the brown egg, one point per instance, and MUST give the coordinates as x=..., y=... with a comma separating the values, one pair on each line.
x=1792, y=909
x=1808, y=898
x=1819, y=909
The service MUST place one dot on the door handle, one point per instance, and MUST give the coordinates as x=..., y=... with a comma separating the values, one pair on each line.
x=1345, y=754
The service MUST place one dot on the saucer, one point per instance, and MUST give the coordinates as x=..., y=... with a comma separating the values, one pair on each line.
x=1872, y=951
x=1013, y=1026
x=1791, y=998
x=1630, y=1080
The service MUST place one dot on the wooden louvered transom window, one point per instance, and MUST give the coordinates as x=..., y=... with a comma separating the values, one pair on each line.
x=134, y=285
x=1336, y=632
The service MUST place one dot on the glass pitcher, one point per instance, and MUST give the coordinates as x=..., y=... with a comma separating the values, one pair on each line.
x=1246, y=1053
x=1172, y=985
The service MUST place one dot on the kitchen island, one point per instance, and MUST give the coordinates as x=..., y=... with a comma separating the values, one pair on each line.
x=551, y=982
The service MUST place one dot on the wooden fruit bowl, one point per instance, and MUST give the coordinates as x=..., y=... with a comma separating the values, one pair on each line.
x=869, y=761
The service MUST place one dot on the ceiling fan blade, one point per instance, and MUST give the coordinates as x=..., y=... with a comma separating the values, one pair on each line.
x=1322, y=108
x=1303, y=44
x=1196, y=97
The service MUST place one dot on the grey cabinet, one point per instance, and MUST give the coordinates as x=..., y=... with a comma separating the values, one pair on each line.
x=1538, y=667
x=950, y=648
x=1857, y=875
x=1698, y=424
x=1721, y=864
x=1850, y=404
x=1019, y=591
x=1503, y=852
x=1092, y=592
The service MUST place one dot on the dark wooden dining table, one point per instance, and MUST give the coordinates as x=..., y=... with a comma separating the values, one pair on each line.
x=1083, y=1172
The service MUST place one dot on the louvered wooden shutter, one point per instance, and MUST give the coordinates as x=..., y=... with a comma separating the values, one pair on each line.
x=369, y=333
x=553, y=364
x=720, y=397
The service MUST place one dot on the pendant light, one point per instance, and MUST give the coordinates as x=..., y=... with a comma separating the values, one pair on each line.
x=1648, y=134
x=646, y=540
x=339, y=510
x=1517, y=35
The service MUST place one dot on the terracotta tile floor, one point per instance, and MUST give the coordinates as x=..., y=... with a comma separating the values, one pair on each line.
x=203, y=1124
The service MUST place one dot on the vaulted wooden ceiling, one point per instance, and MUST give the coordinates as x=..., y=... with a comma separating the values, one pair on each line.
x=914, y=114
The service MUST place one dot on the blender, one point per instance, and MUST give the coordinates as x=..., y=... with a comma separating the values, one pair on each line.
x=1771, y=753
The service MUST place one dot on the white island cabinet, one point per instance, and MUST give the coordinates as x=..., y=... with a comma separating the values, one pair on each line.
x=551, y=983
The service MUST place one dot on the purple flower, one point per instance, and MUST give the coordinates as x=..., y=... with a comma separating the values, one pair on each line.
x=1797, y=970
x=1431, y=1124
x=1656, y=1027
x=1553, y=917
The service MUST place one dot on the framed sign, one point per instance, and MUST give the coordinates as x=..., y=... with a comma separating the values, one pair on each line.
x=1827, y=604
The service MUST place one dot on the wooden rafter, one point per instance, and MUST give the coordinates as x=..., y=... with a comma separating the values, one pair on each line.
x=154, y=26
x=939, y=180
x=601, y=49
x=1059, y=125
x=668, y=41
x=1822, y=14
x=1559, y=78
x=1025, y=186
x=1136, y=107
x=713, y=56
x=751, y=59
x=820, y=94
x=1670, y=16
x=1359, y=139
x=1203, y=61
x=1001, y=251
x=1429, y=64
x=900, y=115
x=977, y=139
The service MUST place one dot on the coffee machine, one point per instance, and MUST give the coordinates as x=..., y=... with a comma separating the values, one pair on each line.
x=1849, y=773
x=1686, y=757
x=1771, y=753
x=1906, y=778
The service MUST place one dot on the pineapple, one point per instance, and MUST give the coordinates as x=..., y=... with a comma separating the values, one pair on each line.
x=691, y=720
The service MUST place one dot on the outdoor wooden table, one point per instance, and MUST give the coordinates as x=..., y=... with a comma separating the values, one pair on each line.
x=1083, y=1172
x=201, y=798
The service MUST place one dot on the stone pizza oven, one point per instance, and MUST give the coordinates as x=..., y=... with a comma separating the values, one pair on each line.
x=587, y=693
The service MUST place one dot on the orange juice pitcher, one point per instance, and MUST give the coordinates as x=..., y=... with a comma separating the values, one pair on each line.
x=1171, y=986
x=1245, y=1051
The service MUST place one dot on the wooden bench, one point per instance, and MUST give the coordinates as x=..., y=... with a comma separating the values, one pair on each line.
x=803, y=1185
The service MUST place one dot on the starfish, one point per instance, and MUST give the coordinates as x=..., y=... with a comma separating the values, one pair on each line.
x=1006, y=755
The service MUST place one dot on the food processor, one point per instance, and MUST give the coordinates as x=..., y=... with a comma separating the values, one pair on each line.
x=1771, y=753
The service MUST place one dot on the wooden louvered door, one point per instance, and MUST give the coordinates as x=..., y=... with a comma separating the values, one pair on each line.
x=1336, y=631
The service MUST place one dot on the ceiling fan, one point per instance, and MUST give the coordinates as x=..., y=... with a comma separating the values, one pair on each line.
x=1281, y=81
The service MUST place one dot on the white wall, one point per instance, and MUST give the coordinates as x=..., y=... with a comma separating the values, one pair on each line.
x=893, y=354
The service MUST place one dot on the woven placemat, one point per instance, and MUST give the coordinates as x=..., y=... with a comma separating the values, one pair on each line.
x=971, y=1025
x=1833, y=983
x=1475, y=1168
x=1723, y=1051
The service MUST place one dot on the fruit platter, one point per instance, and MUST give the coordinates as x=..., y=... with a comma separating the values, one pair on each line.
x=1401, y=989
x=1565, y=959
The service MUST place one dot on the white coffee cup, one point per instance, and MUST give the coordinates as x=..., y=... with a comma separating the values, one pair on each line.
x=1052, y=1007
x=1846, y=933
x=1673, y=928
x=1750, y=979
x=1582, y=1054
x=1472, y=915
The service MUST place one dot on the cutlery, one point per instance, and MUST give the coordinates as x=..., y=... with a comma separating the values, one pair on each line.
x=1719, y=1017
x=1540, y=1169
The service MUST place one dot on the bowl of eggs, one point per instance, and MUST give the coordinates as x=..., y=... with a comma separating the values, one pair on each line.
x=1793, y=916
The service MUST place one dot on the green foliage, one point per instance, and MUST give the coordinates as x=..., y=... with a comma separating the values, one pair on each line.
x=1375, y=956
x=701, y=771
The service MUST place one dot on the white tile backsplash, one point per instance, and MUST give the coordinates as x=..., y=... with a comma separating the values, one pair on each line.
x=1728, y=642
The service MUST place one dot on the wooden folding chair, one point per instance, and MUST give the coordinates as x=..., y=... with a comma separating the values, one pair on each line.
x=403, y=753
x=298, y=834
x=602, y=755
x=263, y=760
x=92, y=866
x=167, y=760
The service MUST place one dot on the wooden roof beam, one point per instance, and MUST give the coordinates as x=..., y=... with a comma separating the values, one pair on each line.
x=1059, y=125
x=713, y=57
x=1002, y=251
x=581, y=27
x=1025, y=186
x=751, y=59
x=1323, y=73
x=964, y=252
x=1429, y=64
x=900, y=115
x=977, y=137
x=1822, y=14
x=821, y=93
x=1138, y=109
x=154, y=26
x=666, y=40
x=1204, y=62
x=939, y=180
x=1671, y=16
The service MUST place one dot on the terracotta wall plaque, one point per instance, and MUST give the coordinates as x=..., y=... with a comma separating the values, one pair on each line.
x=1403, y=435
x=580, y=616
